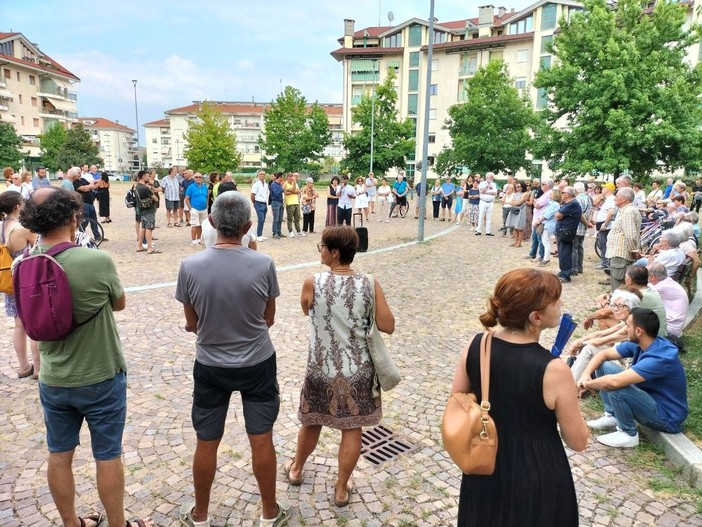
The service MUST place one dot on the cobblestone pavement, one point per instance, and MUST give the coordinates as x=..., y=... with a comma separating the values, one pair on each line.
x=436, y=291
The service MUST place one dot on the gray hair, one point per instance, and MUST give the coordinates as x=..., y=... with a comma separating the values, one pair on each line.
x=568, y=190
x=230, y=212
x=548, y=183
x=674, y=237
x=630, y=299
x=490, y=175
x=579, y=187
x=627, y=193
x=624, y=179
x=692, y=217
x=658, y=270
x=686, y=231
x=73, y=172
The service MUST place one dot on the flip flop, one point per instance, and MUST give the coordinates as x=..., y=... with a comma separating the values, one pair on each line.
x=349, y=490
x=288, y=467
x=155, y=251
x=141, y=250
x=139, y=521
x=93, y=517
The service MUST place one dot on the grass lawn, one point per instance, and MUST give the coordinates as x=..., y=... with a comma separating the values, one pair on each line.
x=692, y=360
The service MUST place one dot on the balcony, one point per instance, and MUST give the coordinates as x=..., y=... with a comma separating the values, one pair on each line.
x=467, y=71
x=56, y=90
x=3, y=106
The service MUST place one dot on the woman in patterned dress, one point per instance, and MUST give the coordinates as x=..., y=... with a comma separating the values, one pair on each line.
x=338, y=387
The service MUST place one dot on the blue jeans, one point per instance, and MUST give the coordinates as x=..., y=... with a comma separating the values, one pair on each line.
x=630, y=404
x=89, y=214
x=261, y=209
x=536, y=245
x=277, y=207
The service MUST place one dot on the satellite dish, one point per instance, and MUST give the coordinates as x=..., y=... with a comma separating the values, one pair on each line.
x=391, y=16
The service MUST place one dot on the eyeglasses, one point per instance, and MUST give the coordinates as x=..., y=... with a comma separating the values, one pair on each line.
x=320, y=245
x=198, y=177
x=617, y=307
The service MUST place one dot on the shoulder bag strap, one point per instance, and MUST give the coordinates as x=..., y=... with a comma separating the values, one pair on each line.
x=485, y=349
x=372, y=293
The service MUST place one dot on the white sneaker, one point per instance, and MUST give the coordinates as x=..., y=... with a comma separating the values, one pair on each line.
x=199, y=241
x=144, y=246
x=301, y=234
x=619, y=439
x=291, y=235
x=260, y=239
x=387, y=221
x=194, y=242
x=604, y=422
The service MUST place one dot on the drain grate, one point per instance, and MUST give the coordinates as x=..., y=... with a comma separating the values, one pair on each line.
x=379, y=444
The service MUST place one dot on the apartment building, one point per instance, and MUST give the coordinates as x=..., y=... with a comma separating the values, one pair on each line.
x=35, y=90
x=460, y=47
x=165, y=138
x=117, y=144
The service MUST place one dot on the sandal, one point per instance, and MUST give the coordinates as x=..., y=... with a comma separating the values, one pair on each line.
x=93, y=517
x=349, y=490
x=141, y=522
x=141, y=250
x=186, y=516
x=288, y=467
x=155, y=251
x=169, y=225
x=26, y=373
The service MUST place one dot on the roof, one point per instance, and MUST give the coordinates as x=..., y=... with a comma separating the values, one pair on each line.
x=160, y=122
x=480, y=42
x=373, y=32
x=342, y=53
x=244, y=108
x=100, y=123
x=53, y=68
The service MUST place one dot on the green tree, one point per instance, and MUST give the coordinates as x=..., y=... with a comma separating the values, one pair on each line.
x=295, y=136
x=51, y=142
x=491, y=130
x=11, y=154
x=393, y=140
x=625, y=90
x=78, y=149
x=210, y=143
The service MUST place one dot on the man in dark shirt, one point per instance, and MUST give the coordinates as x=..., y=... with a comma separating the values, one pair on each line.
x=567, y=218
x=85, y=189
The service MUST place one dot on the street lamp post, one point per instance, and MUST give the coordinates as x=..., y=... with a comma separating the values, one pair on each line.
x=136, y=115
x=425, y=142
x=373, y=118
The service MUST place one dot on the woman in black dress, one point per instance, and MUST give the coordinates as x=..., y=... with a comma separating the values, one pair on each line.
x=531, y=392
x=103, y=197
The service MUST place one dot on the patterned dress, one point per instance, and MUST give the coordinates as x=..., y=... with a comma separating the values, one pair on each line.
x=337, y=390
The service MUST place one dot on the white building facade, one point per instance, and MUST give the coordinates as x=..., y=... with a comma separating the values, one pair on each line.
x=117, y=144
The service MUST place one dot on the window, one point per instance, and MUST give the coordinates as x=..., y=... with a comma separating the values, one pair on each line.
x=32, y=80
x=525, y=25
x=413, y=80
x=154, y=140
x=7, y=73
x=520, y=83
x=432, y=114
x=470, y=65
x=522, y=55
x=36, y=122
x=545, y=41
x=412, y=104
x=548, y=16
x=572, y=11
x=394, y=41
x=541, y=98
x=435, y=65
x=439, y=37
x=414, y=59
x=18, y=76
x=20, y=98
x=545, y=62
x=430, y=161
x=432, y=138
x=22, y=120
x=434, y=89
x=34, y=101
x=415, y=36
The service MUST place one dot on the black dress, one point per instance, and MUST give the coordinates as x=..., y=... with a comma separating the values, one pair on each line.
x=532, y=484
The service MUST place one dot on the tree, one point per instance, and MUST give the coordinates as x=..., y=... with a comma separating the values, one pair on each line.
x=624, y=87
x=294, y=135
x=11, y=154
x=78, y=149
x=210, y=144
x=491, y=130
x=393, y=140
x=51, y=142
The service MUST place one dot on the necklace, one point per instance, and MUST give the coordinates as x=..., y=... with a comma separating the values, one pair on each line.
x=339, y=270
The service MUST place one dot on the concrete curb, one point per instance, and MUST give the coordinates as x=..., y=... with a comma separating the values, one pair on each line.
x=679, y=450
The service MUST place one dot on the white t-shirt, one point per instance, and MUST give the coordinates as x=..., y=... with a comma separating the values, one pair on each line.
x=209, y=235
x=490, y=187
x=607, y=205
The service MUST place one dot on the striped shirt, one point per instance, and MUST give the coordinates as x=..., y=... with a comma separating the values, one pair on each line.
x=625, y=235
x=171, y=188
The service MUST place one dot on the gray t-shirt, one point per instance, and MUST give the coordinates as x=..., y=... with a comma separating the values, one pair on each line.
x=229, y=288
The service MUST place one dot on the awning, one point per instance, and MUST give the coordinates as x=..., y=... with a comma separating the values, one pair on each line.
x=6, y=117
x=64, y=106
x=6, y=94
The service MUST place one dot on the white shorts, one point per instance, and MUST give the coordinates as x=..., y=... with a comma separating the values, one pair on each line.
x=197, y=217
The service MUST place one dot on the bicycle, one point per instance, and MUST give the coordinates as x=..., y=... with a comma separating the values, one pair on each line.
x=85, y=236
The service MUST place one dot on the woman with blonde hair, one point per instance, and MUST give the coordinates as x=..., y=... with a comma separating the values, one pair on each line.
x=532, y=394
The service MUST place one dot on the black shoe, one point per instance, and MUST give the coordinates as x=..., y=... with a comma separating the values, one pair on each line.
x=607, y=271
x=564, y=280
x=488, y=234
x=478, y=233
x=574, y=273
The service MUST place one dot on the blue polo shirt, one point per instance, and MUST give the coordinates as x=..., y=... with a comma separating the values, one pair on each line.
x=400, y=187
x=571, y=216
x=448, y=188
x=198, y=196
x=664, y=378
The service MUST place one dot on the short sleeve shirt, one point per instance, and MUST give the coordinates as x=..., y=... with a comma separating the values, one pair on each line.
x=198, y=196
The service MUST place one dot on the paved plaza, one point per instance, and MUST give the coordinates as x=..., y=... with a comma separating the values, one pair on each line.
x=436, y=290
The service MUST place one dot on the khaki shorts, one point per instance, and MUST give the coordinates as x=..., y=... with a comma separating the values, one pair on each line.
x=197, y=217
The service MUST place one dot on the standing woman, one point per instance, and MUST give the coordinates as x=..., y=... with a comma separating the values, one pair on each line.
x=332, y=200
x=435, y=199
x=529, y=210
x=338, y=387
x=517, y=221
x=532, y=393
x=17, y=238
x=361, y=204
x=26, y=184
x=103, y=196
x=211, y=195
x=383, y=192
x=507, y=198
x=309, y=197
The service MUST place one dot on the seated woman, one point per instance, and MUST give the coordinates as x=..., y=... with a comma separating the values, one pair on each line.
x=623, y=300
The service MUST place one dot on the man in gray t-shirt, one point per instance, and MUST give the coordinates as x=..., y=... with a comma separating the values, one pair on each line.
x=234, y=352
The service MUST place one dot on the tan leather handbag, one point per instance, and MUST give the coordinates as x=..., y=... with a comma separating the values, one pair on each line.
x=468, y=431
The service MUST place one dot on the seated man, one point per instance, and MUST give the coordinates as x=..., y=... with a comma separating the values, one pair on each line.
x=623, y=300
x=653, y=391
x=667, y=251
x=673, y=295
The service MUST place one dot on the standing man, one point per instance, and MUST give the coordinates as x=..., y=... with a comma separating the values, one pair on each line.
x=40, y=180
x=488, y=191
x=448, y=189
x=171, y=187
x=371, y=186
x=291, y=193
x=567, y=220
x=187, y=181
x=579, y=241
x=259, y=198
x=624, y=240
x=83, y=376
x=345, y=193
x=180, y=176
x=277, y=204
x=400, y=189
x=420, y=192
x=146, y=210
x=603, y=223
x=85, y=189
x=668, y=188
x=93, y=175
x=196, y=200
x=232, y=356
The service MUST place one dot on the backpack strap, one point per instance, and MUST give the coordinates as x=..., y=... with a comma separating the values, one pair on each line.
x=60, y=247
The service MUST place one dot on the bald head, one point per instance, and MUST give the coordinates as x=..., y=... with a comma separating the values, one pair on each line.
x=40, y=195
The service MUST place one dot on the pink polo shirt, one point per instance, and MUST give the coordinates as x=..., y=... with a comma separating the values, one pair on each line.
x=676, y=304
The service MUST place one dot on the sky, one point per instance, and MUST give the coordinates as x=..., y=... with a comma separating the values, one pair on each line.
x=183, y=51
